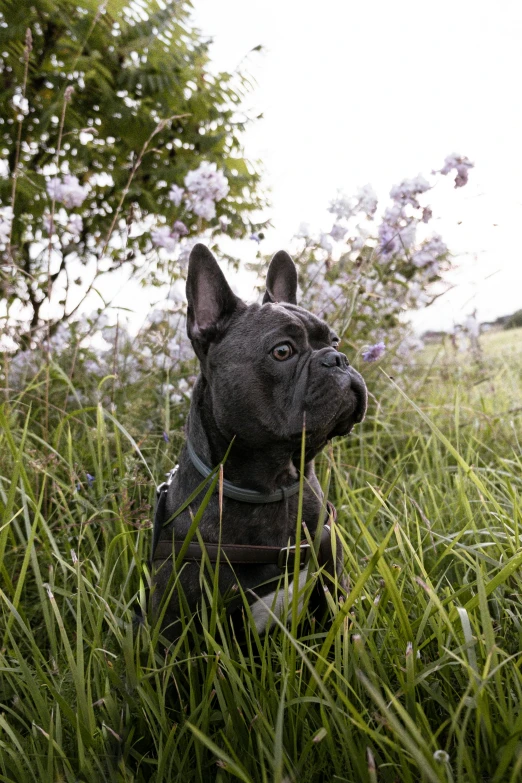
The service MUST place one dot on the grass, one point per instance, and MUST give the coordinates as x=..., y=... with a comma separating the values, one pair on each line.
x=418, y=677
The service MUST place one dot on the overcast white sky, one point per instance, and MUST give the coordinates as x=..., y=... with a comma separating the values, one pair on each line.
x=357, y=91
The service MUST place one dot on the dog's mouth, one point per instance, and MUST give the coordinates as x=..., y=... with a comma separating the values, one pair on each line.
x=340, y=419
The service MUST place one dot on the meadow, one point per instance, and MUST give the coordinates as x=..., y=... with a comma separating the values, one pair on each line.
x=416, y=678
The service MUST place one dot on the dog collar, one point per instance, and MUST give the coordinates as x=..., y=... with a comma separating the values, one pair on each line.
x=238, y=493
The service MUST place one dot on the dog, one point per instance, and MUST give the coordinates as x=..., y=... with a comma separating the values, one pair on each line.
x=268, y=373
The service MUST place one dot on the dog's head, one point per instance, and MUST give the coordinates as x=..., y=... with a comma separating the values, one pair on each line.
x=272, y=367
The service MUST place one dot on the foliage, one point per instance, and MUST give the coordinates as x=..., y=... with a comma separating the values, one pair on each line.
x=419, y=678
x=515, y=320
x=108, y=107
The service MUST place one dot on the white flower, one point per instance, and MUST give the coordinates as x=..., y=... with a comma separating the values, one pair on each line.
x=20, y=103
x=304, y=231
x=441, y=756
x=68, y=191
x=157, y=316
x=176, y=195
x=75, y=225
x=359, y=241
x=207, y=183
x=185, y=250
x=163, y=237
x=224, y=222
x=6, y=220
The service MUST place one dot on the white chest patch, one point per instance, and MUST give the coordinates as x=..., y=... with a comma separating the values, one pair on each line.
x=278, y=601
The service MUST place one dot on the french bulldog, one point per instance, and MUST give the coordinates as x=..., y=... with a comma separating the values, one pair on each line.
x=265, y=369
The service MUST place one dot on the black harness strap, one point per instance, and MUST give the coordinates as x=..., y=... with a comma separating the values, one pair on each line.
x=283, y=557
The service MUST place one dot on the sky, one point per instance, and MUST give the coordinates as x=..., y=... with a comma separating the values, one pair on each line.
x=368, y=91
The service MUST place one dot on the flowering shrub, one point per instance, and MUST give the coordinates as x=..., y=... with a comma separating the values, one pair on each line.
x=117, y=140
x=372, y=267
x=74, y=204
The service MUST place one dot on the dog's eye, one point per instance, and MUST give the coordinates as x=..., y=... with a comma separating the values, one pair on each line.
x=282, y=352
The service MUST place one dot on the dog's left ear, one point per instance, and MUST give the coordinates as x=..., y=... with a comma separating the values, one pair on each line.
x=281, y=280
x=210, y=299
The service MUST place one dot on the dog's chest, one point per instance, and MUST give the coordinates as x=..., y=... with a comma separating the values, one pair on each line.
x=277, y=604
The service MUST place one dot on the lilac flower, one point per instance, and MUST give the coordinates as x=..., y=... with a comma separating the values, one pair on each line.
x=54, y=188
x=6, y=219
x=427, y=214
x=185, y=250
x=409, y=189
x=366, y=200
x=68, y=191
x=166, y=437
x=326, y=243
x=207, y=183
x=90, y=479
x=304, y=231
x=338, y=232
x=395, y=241
x=462, y=164
x=374, y=352
x=180, y=229
x=75, y=225
x=176, y=195
x=341, y=207
x=203, y=207
x=389, y=242
x=430, y=251
x=163, y=237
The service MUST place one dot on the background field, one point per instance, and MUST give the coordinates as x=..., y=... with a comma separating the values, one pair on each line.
x=418, y=677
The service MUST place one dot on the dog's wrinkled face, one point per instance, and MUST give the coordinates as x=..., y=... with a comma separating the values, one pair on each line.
x=270, y=367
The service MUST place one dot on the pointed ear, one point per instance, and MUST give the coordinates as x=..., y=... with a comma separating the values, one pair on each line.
x=211, y=301
x=281, y=280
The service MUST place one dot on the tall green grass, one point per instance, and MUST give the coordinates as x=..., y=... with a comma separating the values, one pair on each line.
x=417, y=677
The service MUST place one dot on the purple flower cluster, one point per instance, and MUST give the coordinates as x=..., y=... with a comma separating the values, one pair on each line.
x=461, y=164
x=67, y=191
x=204, y=187
x=409, y=190
x=167, y=237
x=431, y=251
x=364, y=201
x=374, y=352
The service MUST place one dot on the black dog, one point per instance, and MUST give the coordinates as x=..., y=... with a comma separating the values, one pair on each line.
x=264, y=370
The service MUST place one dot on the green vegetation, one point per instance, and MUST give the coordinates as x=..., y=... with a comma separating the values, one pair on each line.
x=418, y=678
x=119, y=98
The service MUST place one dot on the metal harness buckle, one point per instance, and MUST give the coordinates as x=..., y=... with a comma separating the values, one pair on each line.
x=287, y=551
x=163, y=487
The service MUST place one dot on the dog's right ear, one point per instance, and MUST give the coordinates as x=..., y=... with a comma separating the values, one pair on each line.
x=281, y=280
x=211, y=301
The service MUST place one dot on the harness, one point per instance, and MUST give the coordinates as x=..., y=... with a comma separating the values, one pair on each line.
x=241, y=554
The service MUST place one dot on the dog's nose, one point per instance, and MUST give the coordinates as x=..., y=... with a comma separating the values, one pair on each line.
x=335, y=359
